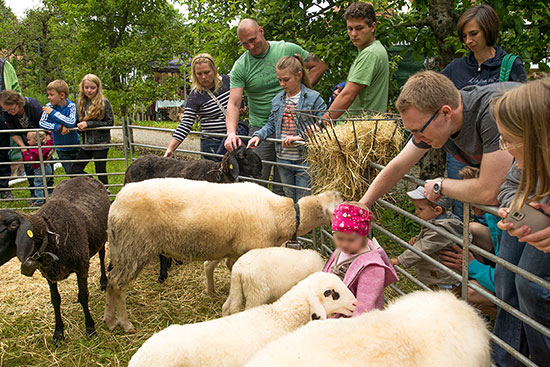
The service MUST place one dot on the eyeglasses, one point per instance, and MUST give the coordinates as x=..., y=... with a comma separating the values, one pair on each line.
x=426, y=124
x=505, y=145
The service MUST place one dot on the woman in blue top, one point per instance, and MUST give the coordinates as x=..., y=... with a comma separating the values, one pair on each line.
x=478, y=29
x=296, y=95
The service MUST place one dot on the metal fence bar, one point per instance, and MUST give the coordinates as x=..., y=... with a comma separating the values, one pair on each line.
x=465, y=251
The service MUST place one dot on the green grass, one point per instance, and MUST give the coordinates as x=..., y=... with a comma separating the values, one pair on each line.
x=112, y=166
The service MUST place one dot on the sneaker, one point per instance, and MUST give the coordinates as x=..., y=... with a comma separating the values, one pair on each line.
x=7, y=195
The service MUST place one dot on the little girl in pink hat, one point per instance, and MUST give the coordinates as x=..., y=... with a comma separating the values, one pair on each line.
x=361, y=263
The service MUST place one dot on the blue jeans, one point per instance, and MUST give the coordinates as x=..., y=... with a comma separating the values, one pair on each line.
x=529, y=298
x=294, y=176
x=210, y=145
x=39, y=182
x=30, y=172
x=453, y=166
x=67, y=155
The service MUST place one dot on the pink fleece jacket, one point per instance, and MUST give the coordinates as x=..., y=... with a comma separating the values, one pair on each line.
x=367, y=276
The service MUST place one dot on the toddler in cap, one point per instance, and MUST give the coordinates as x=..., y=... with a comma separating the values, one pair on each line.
x=360, y=262
x=430, y=242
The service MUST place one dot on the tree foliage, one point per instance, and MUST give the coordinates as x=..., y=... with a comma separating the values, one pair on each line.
x=120, y=40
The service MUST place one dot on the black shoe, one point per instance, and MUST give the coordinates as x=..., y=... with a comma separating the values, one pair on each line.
x=7, y=195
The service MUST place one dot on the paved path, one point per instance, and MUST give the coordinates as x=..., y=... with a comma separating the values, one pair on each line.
x=158, y=138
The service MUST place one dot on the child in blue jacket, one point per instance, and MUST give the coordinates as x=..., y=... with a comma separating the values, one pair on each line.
x=59, y=116
x=296, y=95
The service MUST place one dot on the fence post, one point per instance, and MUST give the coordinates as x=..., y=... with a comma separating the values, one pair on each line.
x=130, y=141
x=42, y=168
x=125, y=139
x=465, y=251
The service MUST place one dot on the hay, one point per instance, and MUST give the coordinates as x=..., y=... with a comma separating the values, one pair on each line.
x=341, y=163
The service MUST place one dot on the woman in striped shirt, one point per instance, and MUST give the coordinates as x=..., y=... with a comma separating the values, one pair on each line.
x=206, y=84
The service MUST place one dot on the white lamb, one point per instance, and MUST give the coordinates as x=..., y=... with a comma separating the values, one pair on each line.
x=263, y=275
x=196, y=220
x=423, y=329
x=232, y=340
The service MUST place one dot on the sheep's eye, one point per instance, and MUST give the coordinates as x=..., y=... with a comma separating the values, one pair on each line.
x=335, y=295
x=327, y=293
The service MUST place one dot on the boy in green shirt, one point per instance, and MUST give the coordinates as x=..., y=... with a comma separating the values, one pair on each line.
x=368, y=79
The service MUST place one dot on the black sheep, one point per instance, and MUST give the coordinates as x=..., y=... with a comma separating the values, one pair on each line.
x=241, y=161
x=59, y=240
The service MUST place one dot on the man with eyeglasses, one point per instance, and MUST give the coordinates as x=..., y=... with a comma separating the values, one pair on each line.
x=440, y=116
x=254, y=73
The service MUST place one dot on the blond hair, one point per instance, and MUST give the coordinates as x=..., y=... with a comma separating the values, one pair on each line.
x=524, y=112
x=295, y=64
x=428, y=91
x=60, y=86
x=204, y=58
x=96, y=111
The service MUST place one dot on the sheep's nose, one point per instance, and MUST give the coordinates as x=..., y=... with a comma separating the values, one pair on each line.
x=355, y=303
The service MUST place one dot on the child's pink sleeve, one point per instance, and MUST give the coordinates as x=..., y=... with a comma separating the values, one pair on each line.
x=370, y=289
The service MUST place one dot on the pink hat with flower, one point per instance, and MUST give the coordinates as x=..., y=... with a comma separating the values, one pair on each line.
x=351, y=219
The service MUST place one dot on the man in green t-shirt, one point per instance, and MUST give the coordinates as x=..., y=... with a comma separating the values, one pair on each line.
x=368, y=79
x=254, y=73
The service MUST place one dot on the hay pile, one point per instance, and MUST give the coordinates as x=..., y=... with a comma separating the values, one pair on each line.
x=342, y=164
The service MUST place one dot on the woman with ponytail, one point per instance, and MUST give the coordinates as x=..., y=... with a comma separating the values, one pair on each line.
x=296, y=95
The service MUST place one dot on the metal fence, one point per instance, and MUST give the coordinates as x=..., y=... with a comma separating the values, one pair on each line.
x=320, y=238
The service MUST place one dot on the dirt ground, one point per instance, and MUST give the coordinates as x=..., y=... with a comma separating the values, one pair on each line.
x=158, y=138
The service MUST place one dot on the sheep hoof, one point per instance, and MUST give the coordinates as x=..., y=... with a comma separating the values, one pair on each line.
x=110, y=322
x=161, y=279
x=103, y=284
x=90, y=331
x=127, y=327
x=57, y=337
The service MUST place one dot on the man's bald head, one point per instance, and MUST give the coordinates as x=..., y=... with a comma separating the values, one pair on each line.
x=252, y=37
x=247, y=25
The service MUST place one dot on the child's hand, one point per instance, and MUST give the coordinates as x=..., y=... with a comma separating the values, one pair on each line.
x=64, y=130
x=47, y=109
x=394, y=261
x=412, y=241
x=49, y=155
x=253, y=143
x=82, y=126
x=289, y=140
x=312, y=129
x=336, y=92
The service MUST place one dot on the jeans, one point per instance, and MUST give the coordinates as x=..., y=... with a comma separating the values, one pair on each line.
x=31, y=172
x=294, y=176
x=39, y=182
x=529, y=298
x=100, y=166
x=266, y=151
x=210, y=145
x=5, y=169
x=67, y=155
x=453, y=166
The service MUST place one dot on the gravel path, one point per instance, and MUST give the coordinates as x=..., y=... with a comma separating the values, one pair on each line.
x=158, y=138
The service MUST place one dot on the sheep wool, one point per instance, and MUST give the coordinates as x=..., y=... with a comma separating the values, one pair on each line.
x=263, y=275
x=422, y=329
x=231, y=341
x=194, y=220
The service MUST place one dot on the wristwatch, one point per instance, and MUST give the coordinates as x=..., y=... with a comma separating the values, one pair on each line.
x=438, y=186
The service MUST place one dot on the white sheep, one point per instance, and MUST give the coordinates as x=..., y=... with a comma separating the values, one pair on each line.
x=263, y=275
x=232, y=340
x=422, y=329
x=196, y=220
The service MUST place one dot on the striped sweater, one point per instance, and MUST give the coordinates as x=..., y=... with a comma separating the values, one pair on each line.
x=202, y=106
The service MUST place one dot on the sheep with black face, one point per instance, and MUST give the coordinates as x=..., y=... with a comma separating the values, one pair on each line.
x=241, y=161
x=60, y=239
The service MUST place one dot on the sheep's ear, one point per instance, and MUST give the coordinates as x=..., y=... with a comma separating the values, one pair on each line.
x=24, y=240
x=316, y=309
